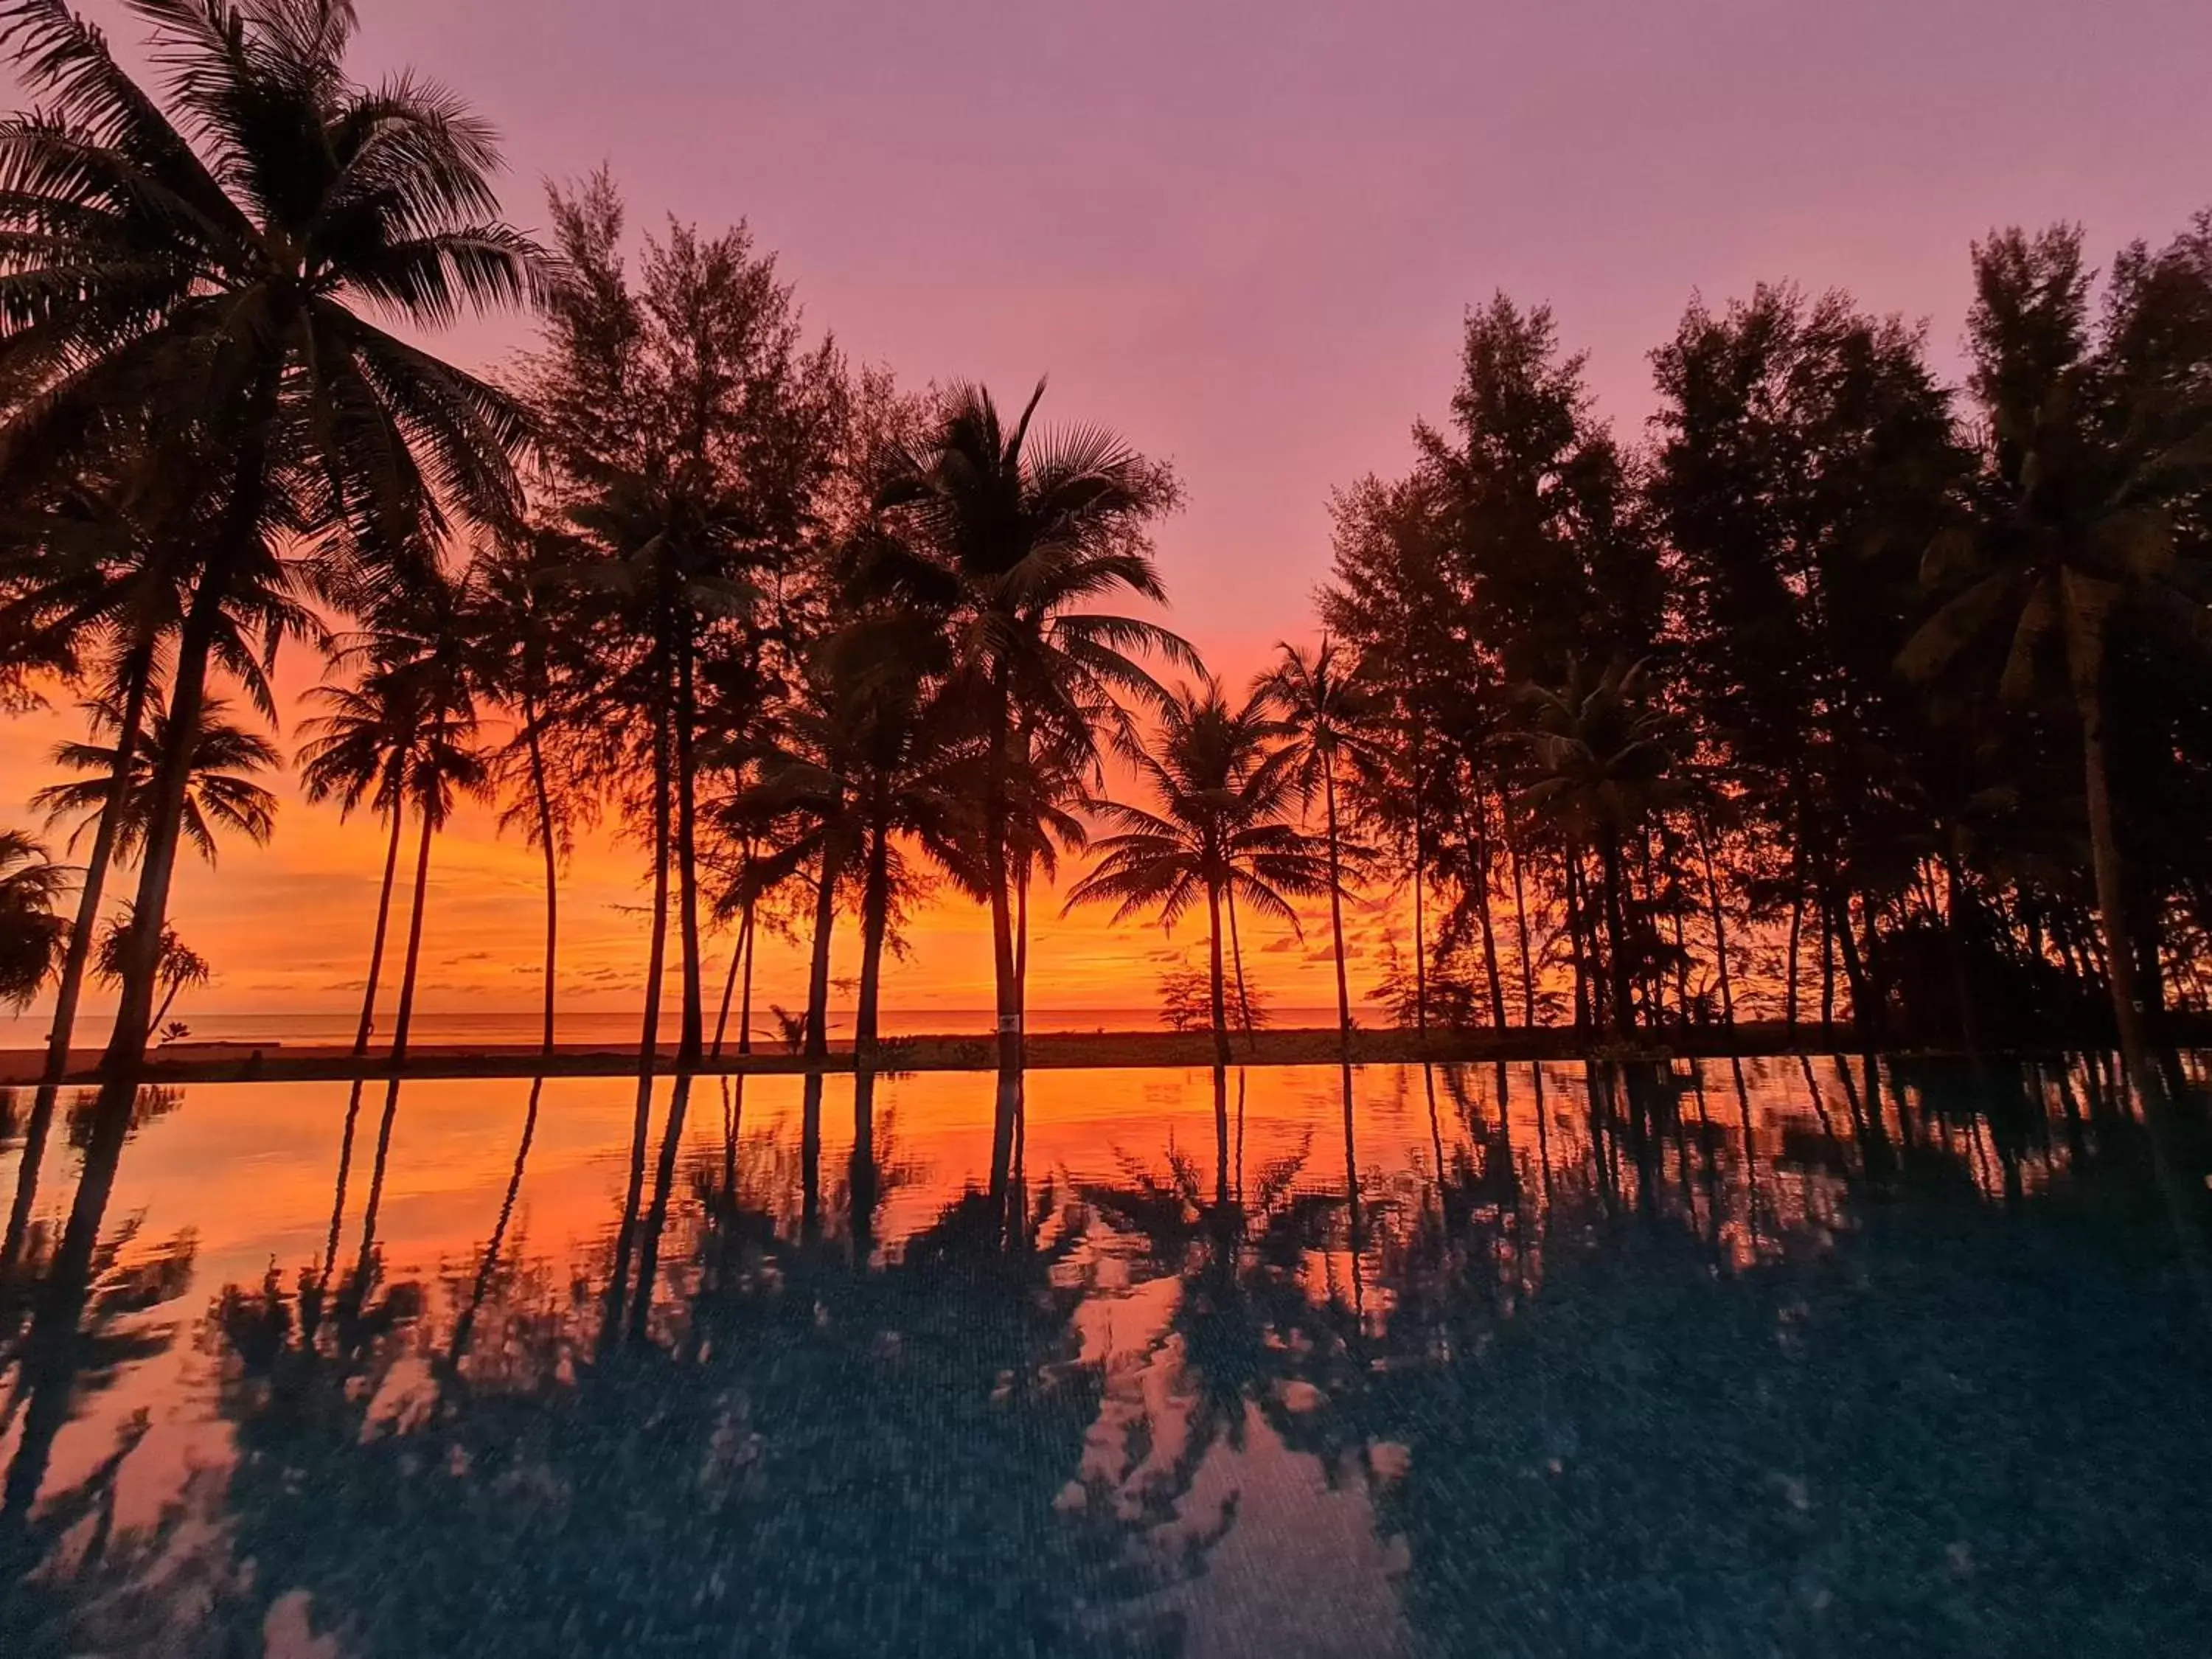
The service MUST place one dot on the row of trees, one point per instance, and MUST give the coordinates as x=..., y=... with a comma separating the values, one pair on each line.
x=812, y=640
x=1841, y=687
x=1844, y=688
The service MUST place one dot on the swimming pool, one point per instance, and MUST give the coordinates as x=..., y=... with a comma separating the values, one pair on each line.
x=1786, y=1357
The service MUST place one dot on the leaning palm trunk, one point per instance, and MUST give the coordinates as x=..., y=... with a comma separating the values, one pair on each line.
x=1243, y=994
x=376, y=942
x=142, y=952
x=138, y=676
x=740, y=957
x=35, y=1131
x=405, y=1018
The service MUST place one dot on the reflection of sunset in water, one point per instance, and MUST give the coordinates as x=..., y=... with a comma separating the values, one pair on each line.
x=1318, y=1401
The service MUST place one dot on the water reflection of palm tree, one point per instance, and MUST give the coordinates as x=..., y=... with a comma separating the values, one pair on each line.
x=915, y=1419
x=83, y=1338
x=464, y=1325
x=1248, y=1332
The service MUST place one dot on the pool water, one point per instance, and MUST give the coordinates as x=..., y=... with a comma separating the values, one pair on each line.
x=1777, y=1358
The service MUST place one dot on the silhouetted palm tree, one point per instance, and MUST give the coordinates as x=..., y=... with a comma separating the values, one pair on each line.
x=1331, y=719
x=2073, y=556
x=182, y=967
x=1227, y=796
x=94, y=574
x=220, y=794
x=356, y=750
x=1023, y=531
x=402, y=737
x=203, y=257
x=513, y=620
x=1602, y=764
x=31, y=933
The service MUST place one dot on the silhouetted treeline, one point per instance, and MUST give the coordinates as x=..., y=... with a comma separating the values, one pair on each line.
x=1845, y=695
x=1841, y=695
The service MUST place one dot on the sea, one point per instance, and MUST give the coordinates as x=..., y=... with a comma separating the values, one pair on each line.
x=493, y=1028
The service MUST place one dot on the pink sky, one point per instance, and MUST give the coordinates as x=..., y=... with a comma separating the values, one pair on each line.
x=1244, y=235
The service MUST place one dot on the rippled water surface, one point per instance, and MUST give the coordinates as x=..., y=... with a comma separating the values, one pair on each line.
x=1778, y=1358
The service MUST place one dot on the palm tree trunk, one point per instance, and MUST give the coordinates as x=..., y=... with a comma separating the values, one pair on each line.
x=138, y=675
x=142, y=952
x=875, y=921
x=1022, y=939
x=746, y=988
x=1335, y=910
x=689, y=1038
x=169, y=997
x=1217, y=979
x=2183, y=1201
x=729, y=983
x=542, y=795
x=1244, y=996
x=817, y=971
x=406, y=1014
x=996, y=876
x=376, y=940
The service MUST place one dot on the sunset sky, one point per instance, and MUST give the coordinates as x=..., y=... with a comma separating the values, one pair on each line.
x=1243, y=235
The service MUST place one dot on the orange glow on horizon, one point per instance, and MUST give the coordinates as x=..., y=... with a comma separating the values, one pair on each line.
x=288, y=927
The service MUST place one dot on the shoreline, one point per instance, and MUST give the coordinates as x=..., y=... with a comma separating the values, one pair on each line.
x=273, y=1062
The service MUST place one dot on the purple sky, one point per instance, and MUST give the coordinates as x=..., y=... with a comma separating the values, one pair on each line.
x=1245, y=234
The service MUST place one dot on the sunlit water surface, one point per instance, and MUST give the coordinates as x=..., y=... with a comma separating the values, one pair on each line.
x=1778, y=1358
